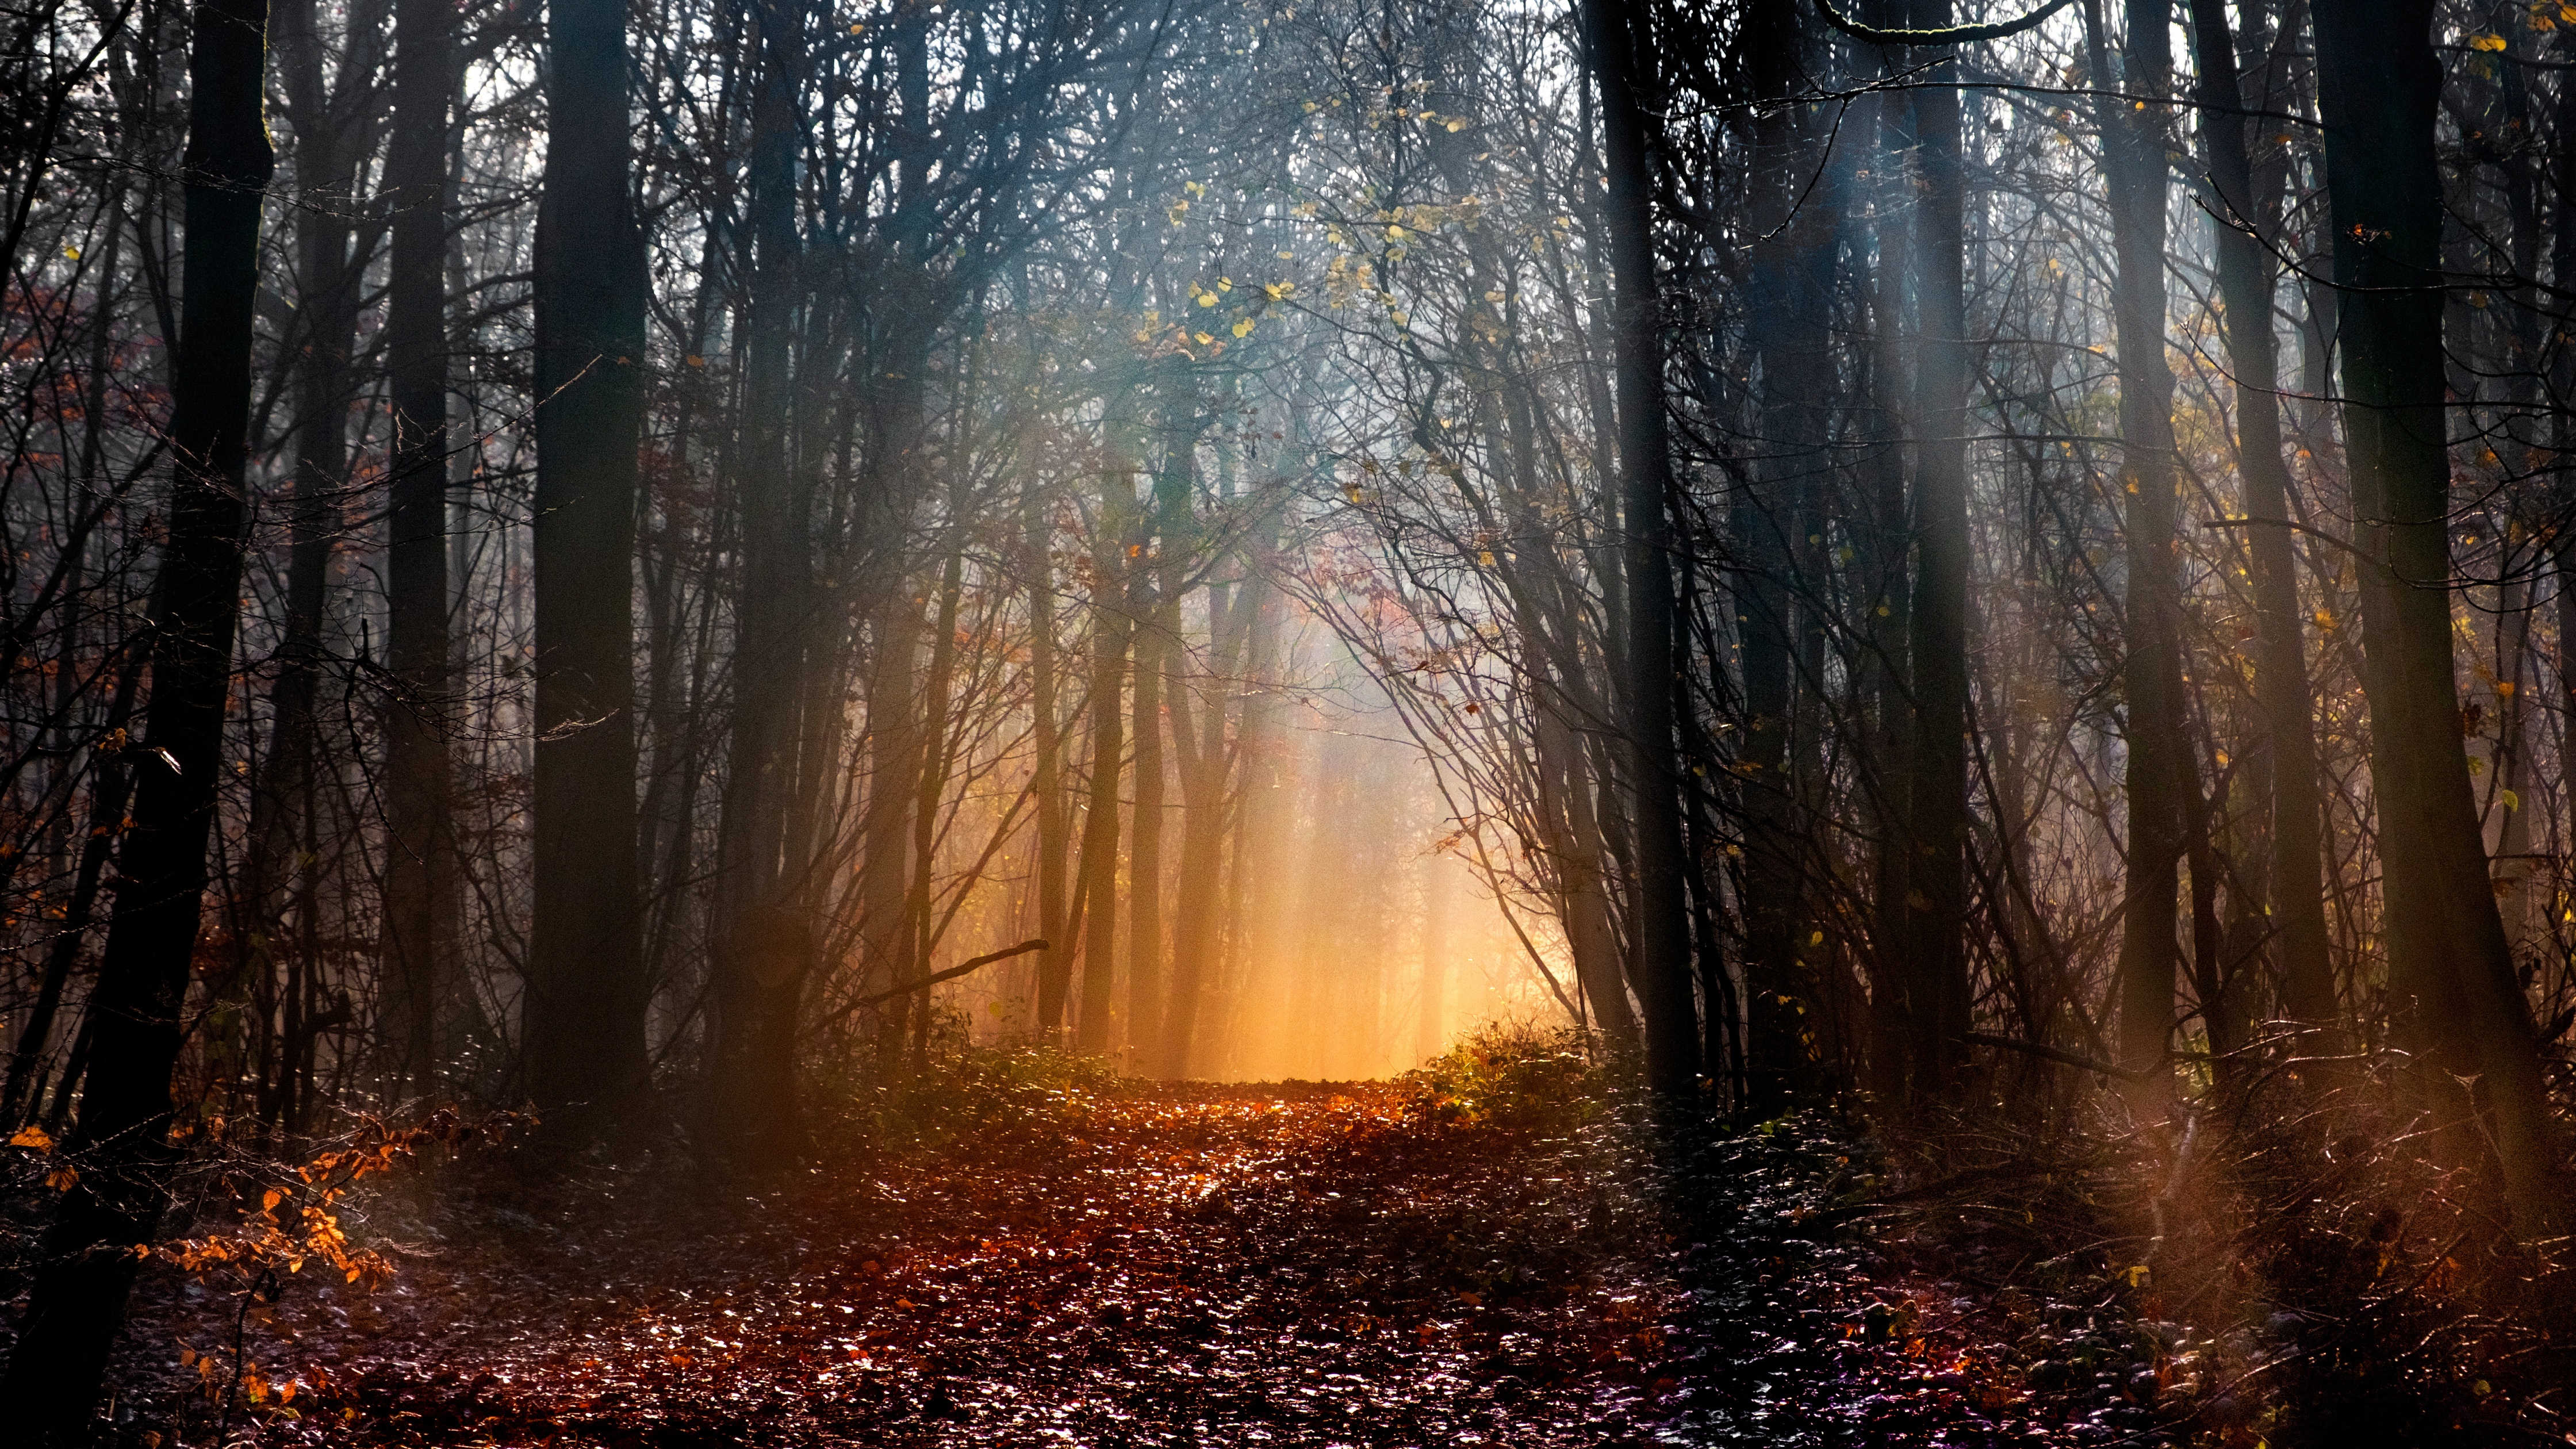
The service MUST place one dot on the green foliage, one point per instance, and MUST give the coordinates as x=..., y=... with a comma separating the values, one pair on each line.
x=1514, y=1076
x=966, y=1096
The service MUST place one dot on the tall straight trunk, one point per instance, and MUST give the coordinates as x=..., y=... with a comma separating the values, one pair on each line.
x=1197, y=917
x=586, y=994
x=1935, y=899
x=1112, y=631
x=322, y=333
x=897, y=457
x=2160, y=767
x=2295, y=861
x=1158, y=619
x=1206, y=771
x=1253, y=881
x=758, y=975
x=1888, y=684
x=894, y=781
x=938, y=750
x=1660, y=947
x=2450, y=971
x=420, y=846
x=1791, y=306
x=1055, y=968
x=121, y=1144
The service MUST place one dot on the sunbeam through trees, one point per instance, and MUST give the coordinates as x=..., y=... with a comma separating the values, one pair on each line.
x=1628, y=720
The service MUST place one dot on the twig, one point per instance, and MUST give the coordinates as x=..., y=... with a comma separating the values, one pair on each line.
x=2054, y=1054
x=935, y=977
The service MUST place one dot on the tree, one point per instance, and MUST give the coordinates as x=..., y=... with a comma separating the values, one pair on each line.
x=2450, y=969
x=121, y=1147
x=586, y=995
x=1619, y=42
x=420, y=844
x=2163, y=787
x=2250, y=203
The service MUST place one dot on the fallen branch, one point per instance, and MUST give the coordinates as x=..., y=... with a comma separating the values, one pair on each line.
x=2055, y=1054
x=935, y=977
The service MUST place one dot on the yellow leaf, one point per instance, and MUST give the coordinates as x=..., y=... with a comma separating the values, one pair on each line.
x=2486, y=42
x=2511, y=800
x=269, y=1200
x=2505, y=687
x=62, y=1178
x=1243, y=328
x=34, y=1137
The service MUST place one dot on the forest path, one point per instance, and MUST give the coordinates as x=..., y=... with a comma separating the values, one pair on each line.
x=1181, y=1264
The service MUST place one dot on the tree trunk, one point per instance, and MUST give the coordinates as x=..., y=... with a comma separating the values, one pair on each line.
x=1935, y=932
x=1055, y=968
x=758, y=968
x=938, y=751
x=586, y=989
x=2245, y=274
x=1791, y=307
x=2450, y=973
x=1207, y=773
x=1157, y=620
x=1112, y=630
x=1660, y=947
x=2161, y=775
x=419, y=843
x=121, y=1145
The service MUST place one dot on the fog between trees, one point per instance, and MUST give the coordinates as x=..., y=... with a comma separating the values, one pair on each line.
x=575, y=555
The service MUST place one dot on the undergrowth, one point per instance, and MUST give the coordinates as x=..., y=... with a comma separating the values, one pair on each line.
x=2286, y=1266
x=1516, y=1077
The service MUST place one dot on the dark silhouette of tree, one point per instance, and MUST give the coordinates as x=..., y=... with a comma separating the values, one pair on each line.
x=586, y=992
x=122, y=1140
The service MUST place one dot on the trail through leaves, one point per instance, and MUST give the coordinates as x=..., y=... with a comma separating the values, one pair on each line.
x=1187, y=1265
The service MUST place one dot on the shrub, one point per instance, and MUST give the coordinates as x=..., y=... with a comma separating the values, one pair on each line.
x=1515, y=1076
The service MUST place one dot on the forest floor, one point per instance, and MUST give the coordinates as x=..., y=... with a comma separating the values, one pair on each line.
x=1117, y=1263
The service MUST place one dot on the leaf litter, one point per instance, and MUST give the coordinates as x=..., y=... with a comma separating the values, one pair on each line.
x=1313, y=1264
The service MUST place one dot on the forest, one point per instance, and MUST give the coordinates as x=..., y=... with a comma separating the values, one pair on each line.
x=744, y=722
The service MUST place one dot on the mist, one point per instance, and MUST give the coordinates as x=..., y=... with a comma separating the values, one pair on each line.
x=1990, y=588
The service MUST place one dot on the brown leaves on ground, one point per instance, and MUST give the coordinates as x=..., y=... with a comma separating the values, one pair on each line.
x=1184, y=1265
